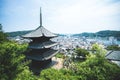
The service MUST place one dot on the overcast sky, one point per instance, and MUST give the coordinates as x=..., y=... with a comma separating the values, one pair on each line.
x=60, y=16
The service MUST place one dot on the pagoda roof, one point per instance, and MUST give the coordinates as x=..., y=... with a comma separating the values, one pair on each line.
x=47, y=44
x=44, y=56
x=39, y=32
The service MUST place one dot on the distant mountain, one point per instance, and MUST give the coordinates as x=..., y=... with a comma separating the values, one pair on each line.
x=86, y=34
x=17, y=33
x=105, y=33
x=108, y=33
x=20, y=33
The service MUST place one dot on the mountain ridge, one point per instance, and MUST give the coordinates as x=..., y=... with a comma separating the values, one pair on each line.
x=102, y=33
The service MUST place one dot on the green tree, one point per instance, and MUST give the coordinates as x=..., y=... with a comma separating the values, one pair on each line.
x=26, y=74
x=113, y=47
x=97, y=68
x=53, y=74
x=11, y=58
x=59, y=55
x=0, y=27
x=81, y=52
x=12, y=62
x=3, y=37
x=98, y=50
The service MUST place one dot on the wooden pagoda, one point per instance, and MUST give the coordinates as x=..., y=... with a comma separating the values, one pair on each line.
x=40, y=47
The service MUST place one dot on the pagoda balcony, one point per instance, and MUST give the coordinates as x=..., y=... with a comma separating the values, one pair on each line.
x=42, y=56
x=47, y=44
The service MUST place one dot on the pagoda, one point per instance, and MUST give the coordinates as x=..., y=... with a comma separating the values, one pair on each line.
x=40, y=48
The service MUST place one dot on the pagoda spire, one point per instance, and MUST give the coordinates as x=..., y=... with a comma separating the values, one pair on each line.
x=40, y=17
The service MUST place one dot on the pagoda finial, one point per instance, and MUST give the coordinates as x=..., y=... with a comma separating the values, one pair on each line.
x=40, y=17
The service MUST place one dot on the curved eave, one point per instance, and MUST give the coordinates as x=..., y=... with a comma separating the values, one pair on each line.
x=39, y=36
x=39, y=32
x=42, y=46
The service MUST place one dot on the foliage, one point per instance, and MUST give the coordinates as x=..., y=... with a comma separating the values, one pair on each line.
x=113, y=47
x=26, y=74
x=53, y=74
x=10, y=59
x=104, y=33
x=81, y=52
x=98, y=50
x=59, y=55
x=0, y=27
x=18, y=33
x=3, y=37
x=108, y=33
x=96, y=67
x=12, y=62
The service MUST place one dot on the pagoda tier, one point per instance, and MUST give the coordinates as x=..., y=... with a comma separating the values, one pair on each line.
x=42, y=56
x=37, y=66
x=39, y=45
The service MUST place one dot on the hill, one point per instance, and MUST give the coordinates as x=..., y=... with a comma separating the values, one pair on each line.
x=17, y=33
x=105, y=33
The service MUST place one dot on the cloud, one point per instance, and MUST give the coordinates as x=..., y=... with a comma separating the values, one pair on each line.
x=87, y=15
x=63, y=16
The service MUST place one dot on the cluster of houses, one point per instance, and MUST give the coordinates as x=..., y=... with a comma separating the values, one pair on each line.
x=67, y=44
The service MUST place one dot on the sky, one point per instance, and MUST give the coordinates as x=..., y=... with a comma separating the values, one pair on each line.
x=60, y=16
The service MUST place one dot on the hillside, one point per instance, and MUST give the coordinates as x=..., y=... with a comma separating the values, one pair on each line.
x=17, y=33
x=105, y=33
x=108, y=33
x=20, y=33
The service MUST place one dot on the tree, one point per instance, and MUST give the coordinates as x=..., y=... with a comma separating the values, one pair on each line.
x=81, y=52
x=53, y=74
x=113, y=47
x=0, y=27
x=3, y=36
x=11, y=58
x=12, y=62
x=98, y=50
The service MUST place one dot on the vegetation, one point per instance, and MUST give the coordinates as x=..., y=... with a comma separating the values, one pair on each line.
x=113, y=47
x=3, y=36
x=81, y=52
x=106, y=33
x=14, y=67
x=59, y=55
x=12, y=61
x=17, y=33
x=96, y=67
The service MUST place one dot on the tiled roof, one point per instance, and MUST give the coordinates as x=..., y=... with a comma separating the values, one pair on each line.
x=39, y=32
x=113, y=55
